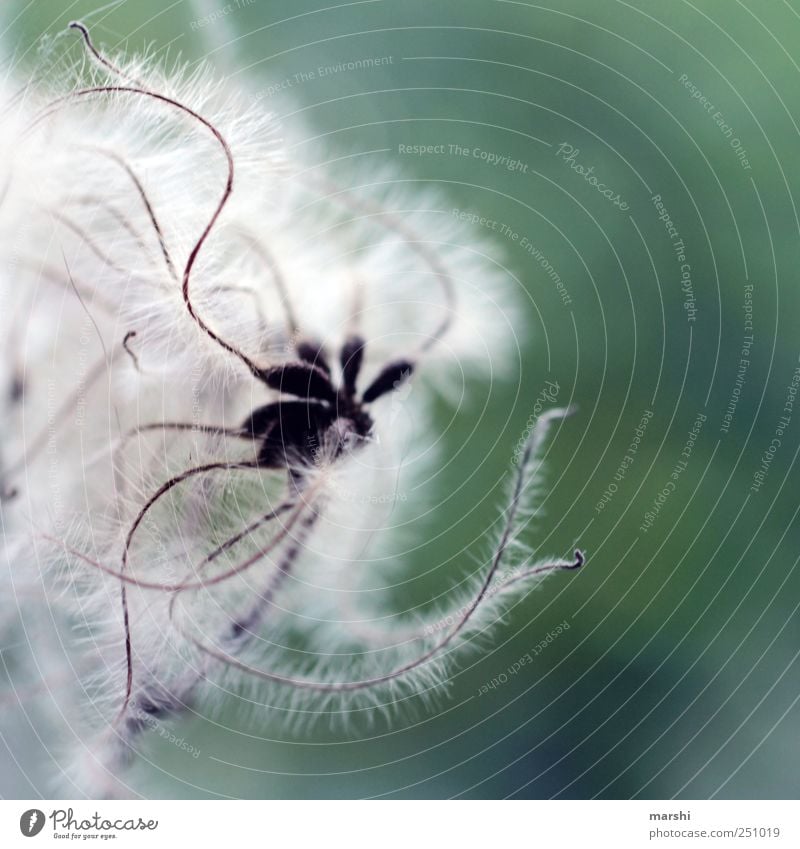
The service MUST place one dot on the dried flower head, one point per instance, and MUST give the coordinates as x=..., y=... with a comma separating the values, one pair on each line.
x=218, y=366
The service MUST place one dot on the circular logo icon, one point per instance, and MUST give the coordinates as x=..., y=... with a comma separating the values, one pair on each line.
x=31, y=822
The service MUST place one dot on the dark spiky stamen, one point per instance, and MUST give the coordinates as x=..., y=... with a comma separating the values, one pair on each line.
x=312, y=351
x=390, y=377
x=301, y=380
x=351, y=358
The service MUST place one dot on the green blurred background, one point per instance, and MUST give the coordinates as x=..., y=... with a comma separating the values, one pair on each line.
x=678, y=675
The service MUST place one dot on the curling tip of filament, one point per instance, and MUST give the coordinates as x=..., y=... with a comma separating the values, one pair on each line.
x=580, y=560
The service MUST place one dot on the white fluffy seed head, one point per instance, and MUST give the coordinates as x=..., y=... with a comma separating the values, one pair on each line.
x=106, y=197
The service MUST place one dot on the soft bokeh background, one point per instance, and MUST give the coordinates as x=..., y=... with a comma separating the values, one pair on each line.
x=678, y=675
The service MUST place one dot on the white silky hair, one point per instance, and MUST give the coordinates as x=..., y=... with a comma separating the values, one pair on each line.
x=104, y=198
